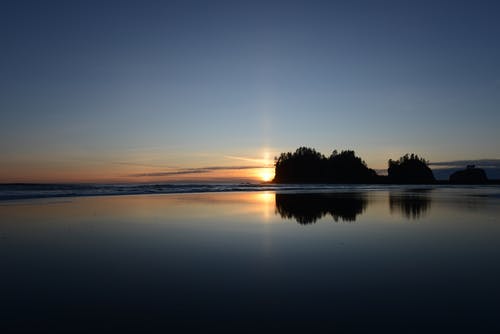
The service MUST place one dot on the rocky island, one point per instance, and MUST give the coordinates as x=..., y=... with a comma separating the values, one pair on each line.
x=470, y=175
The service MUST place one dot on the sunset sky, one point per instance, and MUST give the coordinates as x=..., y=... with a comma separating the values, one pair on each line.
x=142, y=91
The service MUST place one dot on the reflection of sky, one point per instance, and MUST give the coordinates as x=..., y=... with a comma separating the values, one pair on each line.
x=184, y=84
x=206, y=258
x=377, y=207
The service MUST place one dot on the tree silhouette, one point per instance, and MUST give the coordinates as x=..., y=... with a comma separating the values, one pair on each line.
x=303, y=166
x=347, y=167
x=410, y=168
x=306, y=165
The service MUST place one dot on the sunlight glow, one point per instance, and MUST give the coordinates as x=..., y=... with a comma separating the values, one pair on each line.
x=266, y=201
x=266, y=174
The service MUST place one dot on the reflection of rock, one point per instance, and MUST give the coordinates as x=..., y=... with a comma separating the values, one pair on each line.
x=308, y=208
x=411, y=205
x=471, y=175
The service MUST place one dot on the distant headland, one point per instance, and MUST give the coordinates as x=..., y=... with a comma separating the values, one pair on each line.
x=306, y=165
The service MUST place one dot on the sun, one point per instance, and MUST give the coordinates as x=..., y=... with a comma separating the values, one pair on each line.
x=266, y=174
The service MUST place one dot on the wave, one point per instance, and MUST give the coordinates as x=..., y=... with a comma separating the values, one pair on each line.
x=30, y=191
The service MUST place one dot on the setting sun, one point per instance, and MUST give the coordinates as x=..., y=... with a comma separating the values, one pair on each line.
x=266, y=174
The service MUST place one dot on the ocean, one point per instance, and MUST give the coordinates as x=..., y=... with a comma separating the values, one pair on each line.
x=19, y=191
x=249, y=258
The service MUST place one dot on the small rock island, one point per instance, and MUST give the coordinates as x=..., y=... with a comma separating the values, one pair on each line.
x=470, y=175
x=410, y=168
x=306, y=165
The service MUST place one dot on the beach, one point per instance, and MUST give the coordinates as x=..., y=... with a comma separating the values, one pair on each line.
x=403, y=258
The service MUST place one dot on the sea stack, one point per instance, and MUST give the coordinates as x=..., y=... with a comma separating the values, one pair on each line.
x=410, y=169
x=470, y=175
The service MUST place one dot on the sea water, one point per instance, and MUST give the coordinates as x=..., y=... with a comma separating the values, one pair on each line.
x=358, y=258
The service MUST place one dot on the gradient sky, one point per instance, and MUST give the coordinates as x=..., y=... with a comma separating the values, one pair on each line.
x=173, y=90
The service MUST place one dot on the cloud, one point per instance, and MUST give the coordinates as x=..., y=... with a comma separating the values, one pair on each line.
x=201, y=170
x=125, y=163
x=259, y=161
x=443, y=169
x=481, y=163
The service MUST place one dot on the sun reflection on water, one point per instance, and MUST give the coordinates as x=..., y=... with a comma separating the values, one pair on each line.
x=266, y=200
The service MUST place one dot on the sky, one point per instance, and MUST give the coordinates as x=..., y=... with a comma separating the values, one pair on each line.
x=146, y=91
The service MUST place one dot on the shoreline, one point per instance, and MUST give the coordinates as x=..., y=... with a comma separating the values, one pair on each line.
x=18, y=192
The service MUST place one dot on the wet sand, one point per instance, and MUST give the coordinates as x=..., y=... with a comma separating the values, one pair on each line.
x=393, y=260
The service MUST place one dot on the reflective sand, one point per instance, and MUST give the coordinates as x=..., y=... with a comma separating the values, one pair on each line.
x=422, y=259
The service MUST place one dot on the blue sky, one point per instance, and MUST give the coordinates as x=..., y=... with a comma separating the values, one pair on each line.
x=102, y=90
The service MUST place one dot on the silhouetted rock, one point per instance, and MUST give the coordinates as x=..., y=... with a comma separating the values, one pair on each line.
x=410, y=169
x=346, y=167
x=306, y=165
x=470, y=175
x=308, y=208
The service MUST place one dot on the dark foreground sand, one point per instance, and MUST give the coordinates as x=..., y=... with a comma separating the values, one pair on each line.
x=397, y=260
